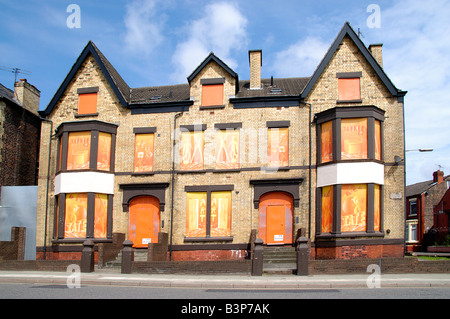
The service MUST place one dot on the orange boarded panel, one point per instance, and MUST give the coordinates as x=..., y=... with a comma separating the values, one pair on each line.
x=354, y=208
x=327, y=209
x=143, y=152
x=377, y=140
x=354, y=138
x=327, y=142
x=377, y=211
x=104, y=151
x=78, y=151
x=196, y=214
x=276, y=218
x=349, y=89
x=101, y=213
x=87, y=103
x=227, y=149
x=221, y=214
x=278, y=147
x=212, y=95
x=191, y=152
x=144, y=221
x=276, y=224
x=75, y=216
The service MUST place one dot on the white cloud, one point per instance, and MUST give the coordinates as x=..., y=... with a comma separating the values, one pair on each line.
x=301, y=58
x=143, y=25
x=221, y=30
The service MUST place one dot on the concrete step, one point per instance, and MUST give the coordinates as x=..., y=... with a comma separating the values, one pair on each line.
x=280, y=260
x=139, y=255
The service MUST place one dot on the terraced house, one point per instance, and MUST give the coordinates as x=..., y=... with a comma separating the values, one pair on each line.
x=210, y=160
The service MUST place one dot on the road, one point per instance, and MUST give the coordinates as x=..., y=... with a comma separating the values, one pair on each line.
x=60, y=291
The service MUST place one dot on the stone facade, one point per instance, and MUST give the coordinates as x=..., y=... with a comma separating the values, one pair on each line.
x=252, y=113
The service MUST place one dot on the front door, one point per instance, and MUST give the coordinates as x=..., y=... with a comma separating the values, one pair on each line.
x=276, y=218
x=144, y=221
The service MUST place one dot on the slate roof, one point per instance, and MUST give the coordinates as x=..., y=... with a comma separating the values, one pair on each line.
x=7, y=94
x=419, y=188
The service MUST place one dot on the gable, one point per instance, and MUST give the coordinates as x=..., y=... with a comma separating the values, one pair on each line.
x=118, y=85
x=347, y=31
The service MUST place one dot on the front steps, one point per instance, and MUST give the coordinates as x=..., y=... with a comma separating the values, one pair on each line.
x=280, y=260
x=139, y=255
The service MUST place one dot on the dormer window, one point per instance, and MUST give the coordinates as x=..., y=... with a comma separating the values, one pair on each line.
x=212, y=92
x=87, y=101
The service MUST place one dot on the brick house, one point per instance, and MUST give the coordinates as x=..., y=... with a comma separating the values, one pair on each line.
x=424, y=202
x=210, y=160
x=20, y=130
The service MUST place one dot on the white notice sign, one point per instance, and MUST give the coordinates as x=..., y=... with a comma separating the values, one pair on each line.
x=146, y=241
x=278, y=237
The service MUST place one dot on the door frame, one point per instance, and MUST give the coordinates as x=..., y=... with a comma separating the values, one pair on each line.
x=154, y=237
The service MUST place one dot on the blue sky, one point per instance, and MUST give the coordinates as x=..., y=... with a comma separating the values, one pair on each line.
x=159, y=42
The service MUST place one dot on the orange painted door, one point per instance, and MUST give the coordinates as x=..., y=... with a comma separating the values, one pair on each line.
x=144, y=221
x=276, y=227
x=276, y=218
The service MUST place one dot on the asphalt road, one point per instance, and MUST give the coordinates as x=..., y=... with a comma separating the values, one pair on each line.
x=60, y=291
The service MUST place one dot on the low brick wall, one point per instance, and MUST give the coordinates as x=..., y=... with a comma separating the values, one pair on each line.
x=192, y=267
x=37, y=265
x=388, y=266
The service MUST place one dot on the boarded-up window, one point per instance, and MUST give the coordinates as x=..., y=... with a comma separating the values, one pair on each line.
x=349, y=89
x=212, y=95
x=87, y=103
x=143, y=152
x=377, y=140
x=327, y=142
x=101, y=213
x=191, y=152
x=196, y=214
x=354, y=138
x=377, y=211
x=278, y=147
x=354, y=208
x=327, y=209
x=104, y=151
x=221, y=214
x=75, y=216
x=227, y=149
x=78, y=151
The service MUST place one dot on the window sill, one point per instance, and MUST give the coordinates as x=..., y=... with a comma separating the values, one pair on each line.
x=207, y=239
x=86, y=115
x=142, y=173
x=80, y=240
x=212, y=107
x=348, y=101
x=350, y=235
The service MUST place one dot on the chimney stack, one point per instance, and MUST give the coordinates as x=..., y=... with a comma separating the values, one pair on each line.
x=377, y=52
x=438, y=177
x=255, y=59
x=28, y=95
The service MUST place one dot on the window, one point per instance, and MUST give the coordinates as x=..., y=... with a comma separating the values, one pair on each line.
x=413, y=207
x=227, y=145
x=350, y=134
x=191, y=147
x=278, y=147
x=212, y=95
x=86, y=145
x=349, y=89
x=143, y=152
x=208, y=213
x=85, y=215
x=350, y=209
x=411, y=231
x=212, y=92
x=354, y=138
x=87, y=101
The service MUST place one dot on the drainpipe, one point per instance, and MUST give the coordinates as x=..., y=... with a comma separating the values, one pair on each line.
x=310, y=164
x=48, y=185
x=173, y=182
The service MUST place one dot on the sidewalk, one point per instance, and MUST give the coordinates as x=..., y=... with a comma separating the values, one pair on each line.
x=115, y=278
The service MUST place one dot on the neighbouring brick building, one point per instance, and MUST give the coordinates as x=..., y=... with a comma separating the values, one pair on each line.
x=211, y=160
x=20, y=130
x=426, y=212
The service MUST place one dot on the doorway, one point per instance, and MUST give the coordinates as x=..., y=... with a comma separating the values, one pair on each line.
x=276, y=218
x=144, y=221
